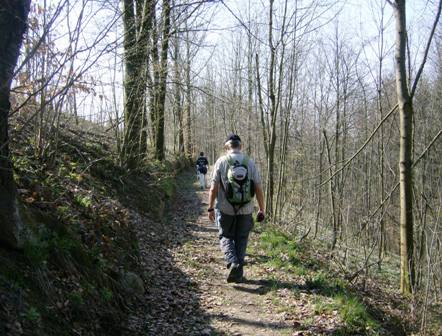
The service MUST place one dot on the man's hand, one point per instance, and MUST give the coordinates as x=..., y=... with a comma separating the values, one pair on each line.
x=213, y=192
x=212, y=216
x=260, y=216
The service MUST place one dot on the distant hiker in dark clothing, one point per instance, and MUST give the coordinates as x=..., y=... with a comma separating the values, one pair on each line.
x=235, y=180
x=201, y=169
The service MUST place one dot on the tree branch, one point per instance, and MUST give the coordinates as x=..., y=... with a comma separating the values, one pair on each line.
x=362, y=147
x=427, y=49
x=414, y=164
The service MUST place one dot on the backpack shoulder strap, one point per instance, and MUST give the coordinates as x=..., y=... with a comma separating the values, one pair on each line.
x=245, y=161
x=230, y=164
x=229, y=160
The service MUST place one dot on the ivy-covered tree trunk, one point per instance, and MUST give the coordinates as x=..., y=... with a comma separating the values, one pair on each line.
x=13, y=16
x=137, y=26
x=132, y=117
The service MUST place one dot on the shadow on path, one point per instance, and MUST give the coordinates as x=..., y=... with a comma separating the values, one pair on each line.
x=171, y=301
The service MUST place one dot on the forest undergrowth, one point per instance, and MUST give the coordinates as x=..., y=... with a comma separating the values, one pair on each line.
x=79, y=272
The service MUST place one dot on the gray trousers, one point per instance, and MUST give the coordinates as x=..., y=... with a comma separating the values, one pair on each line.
x=233, y=236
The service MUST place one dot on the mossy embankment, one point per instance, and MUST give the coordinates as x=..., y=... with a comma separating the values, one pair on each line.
x=79, y=271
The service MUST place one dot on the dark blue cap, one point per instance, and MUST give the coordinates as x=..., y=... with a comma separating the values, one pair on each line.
x=233, y=138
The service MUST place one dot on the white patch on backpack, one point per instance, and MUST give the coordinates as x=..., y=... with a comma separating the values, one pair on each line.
x=240, y=188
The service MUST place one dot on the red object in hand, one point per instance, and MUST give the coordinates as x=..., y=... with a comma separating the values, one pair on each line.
x=260, y=216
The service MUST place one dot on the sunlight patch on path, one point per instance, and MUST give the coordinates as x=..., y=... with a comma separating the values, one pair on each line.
x=234, y=309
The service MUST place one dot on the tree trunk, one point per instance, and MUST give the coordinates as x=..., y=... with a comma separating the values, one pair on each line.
x=13, y=16
x=331, y=194
x=382, y=234
x=187, y=104
x=131, y=117
x=159, y=133
x=405, y=152
x=249, y=93
x=270, y=179
x=178, y=108
x=144, y=27
x=154, y=85
x=137, y=26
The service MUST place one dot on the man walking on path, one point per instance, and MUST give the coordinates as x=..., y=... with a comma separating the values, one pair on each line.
x=201, y=169
x=235, y=180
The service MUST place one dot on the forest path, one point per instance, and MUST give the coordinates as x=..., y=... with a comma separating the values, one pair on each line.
x=233, y=309
x=185, y=281
x=187, y=292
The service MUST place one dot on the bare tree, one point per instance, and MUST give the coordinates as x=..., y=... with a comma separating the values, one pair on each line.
x=405, y=155
x=405, y=103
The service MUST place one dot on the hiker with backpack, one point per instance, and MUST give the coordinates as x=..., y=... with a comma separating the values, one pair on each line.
x=201, y=169
x=235, y=181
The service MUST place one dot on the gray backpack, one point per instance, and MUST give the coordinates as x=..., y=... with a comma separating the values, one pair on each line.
x=240, y=187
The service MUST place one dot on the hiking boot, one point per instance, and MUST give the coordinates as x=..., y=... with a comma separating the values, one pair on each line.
x=234, y=273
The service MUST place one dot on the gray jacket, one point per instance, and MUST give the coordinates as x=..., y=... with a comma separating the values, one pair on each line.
x=219, y=175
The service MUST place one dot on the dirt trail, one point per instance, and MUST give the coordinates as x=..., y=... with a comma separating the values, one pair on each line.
x=233, y=309
x=187, y=293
